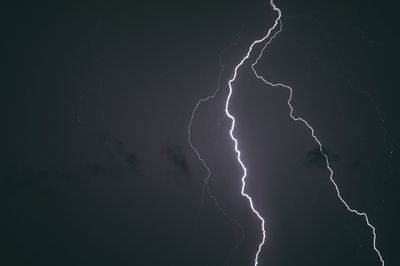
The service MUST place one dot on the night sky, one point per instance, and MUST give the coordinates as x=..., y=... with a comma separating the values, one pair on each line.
x=96, y=168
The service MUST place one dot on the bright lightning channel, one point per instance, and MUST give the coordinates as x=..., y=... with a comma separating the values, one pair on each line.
x=362, y=214
x=238, y=153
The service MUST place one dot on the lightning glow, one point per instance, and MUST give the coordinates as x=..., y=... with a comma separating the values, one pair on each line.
x=206, y=187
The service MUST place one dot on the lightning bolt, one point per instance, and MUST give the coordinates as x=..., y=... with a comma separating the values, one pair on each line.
x=363, y=214
x=278, y=23
x=302, y=120
x=235, y=141
x=268, y=38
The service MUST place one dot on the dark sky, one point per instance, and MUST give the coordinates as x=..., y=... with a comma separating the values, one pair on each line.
x=96, y=98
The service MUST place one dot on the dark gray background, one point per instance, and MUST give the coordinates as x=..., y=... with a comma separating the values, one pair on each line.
x=96, y=168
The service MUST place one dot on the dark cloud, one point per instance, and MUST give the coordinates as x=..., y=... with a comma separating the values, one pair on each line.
x=128, y=156
x=118, y=149
x=181, y=167
x=314, y=157
x=124, y=163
